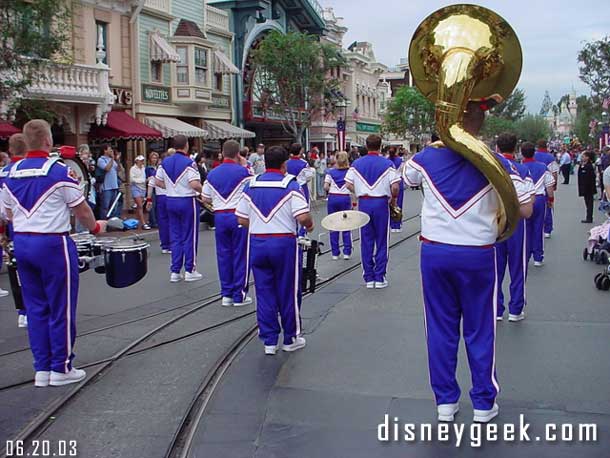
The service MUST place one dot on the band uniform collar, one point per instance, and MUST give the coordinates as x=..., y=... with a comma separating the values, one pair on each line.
x=36, y=154
x=229, y=161
x=373, y=153
x=528, y=159
x=275, y=171
x=509, y=156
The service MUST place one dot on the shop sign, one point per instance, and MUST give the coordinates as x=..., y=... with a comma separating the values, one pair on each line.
x=156, y=94
x=366, y=127
x=122, y=96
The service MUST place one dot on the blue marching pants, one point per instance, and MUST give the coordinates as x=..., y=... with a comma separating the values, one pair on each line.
x=374, y=238
x=184, y=232
x=535, y=230
x=48, y=269
x=459, y=284
x=548, y=220
x=163, y=221
x=275, y=263
x=232, y=256
x=399, y=202
x=337, y=203
x=513, y=252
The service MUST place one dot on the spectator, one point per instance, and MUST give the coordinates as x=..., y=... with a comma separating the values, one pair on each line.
x=107, y=177
x=586, y=184
x=122, y=178
x=218, y=160
x=137, y=179
x=207, y=216
x=565, y=164
x=604, y=163
x=353, y=154
x=5, y=159
x=257, y=159
x=84, y=154
x=151, y=170
x=320, y=164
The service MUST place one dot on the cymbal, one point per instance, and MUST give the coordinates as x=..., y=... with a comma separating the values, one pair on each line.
x=347, y=220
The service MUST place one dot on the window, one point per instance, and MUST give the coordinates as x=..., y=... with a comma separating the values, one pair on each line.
x=182, y=66
x=201, y=66
x=218, y=81
x=100, y=42
x=156, y=72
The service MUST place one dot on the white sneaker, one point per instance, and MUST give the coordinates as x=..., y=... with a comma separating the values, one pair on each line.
x=271, y=349
x=22, y=321
x=41, y=379
x=227, y=302
x=3, y=292
x=547, y=236
x=399, y=230
x=370, y=284
x=166, y=252
x=484, y=416
x=347, y=257
x=192, y=276
x=297, y=343
x=519, y=317
x=335, y=258
x=175, y=278
x=538, y=263
x=247, y=301
x=446, y=412
x=499, y=318
x=74, y=376
x=381, y=284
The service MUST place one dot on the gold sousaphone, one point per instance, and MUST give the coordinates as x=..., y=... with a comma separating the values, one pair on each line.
x=464, y=53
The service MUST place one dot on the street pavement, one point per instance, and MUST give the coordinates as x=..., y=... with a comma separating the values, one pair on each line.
x=366, y=357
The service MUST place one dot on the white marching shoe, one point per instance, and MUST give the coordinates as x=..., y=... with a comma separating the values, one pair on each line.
x=227, y=302
x=271, y=349
x=370, y=284
x=514, y=318
x=446, y=412
x=484, y=416
x=381, y=284
x=547, y=236
x=297, y=343
x=347, y=257
x=247, y=301
x=175, y=278
x=499, y=318
x=3, y=292
x=335, y=258
x=538, y=263
x=22, y=321
x=41, y=379
x=74, y=376
x=164, y=251
x=192, y=276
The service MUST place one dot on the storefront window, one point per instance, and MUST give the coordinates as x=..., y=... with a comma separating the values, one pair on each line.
x=182, y=67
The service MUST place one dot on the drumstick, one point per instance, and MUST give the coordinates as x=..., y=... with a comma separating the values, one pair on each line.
x=116, y=200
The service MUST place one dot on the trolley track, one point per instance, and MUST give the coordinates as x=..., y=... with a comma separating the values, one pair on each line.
x=189, y=423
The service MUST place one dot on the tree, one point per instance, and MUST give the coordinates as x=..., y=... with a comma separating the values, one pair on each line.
x=595, y=68
x=532, y=128
x=292, y=78
x=409, y=112
x=31, y=32
x=513, y=108
x=495, y=125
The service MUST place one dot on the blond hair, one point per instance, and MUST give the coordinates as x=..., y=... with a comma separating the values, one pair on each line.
x=16, y=145
x=342, y=160
x=36, y=132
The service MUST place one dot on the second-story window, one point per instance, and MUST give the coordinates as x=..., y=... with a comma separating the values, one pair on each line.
x=101, y=46
x=201, y=66
x=156, y=72
x=182, y=67
x=218, y=80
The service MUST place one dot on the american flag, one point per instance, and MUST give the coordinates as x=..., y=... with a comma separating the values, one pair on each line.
x=341, y=134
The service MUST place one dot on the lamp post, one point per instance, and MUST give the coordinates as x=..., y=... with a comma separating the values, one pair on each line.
x=341, y=124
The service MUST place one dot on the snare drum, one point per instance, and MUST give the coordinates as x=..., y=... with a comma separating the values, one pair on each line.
x=126, y=262
x=84, y=247
x=98, y=245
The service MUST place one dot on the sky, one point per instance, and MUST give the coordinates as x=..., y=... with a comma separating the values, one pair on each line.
x=551, y=34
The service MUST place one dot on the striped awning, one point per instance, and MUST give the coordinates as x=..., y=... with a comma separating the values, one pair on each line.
x=171, y=127
x=161, y=50
x=220, y=130
x=222, y=64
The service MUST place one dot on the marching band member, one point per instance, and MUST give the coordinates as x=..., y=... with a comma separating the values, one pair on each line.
x=179, y=176
x=543, y=155
x=299, y=167
x=339, y=199
x=459, y=279
x=223, y=189
x=396, y=226
x=514, y=250
x=271, y=206
x=39, y=194
x=160, y=209
x=374, y=181
x=544, y=185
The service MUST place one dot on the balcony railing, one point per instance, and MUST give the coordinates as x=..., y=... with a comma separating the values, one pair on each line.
x=163, y=6
x=217, y=18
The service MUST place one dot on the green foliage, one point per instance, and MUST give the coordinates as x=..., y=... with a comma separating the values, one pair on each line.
x=495, y=125
x=409, y=112
x=292, y=78
x=31, y=32
x=594, y=58
x=532, y=128
x=513, y=108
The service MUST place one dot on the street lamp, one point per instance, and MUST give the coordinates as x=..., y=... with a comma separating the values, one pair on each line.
x=341, y=127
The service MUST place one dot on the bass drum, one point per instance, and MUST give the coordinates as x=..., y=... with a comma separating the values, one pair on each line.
x=80, y=170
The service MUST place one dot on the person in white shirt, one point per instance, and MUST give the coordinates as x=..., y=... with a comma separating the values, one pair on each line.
x=565, y=165
x=137, y=179
x=257, y=159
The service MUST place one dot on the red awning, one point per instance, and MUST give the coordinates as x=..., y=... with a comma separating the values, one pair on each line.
x=7, y=129
x=121, y=126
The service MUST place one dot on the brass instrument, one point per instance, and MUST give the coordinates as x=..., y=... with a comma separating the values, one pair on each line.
x=464, y=53
x=395, y=213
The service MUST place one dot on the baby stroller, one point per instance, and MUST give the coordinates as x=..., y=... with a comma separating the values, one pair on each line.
x=598, y=246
